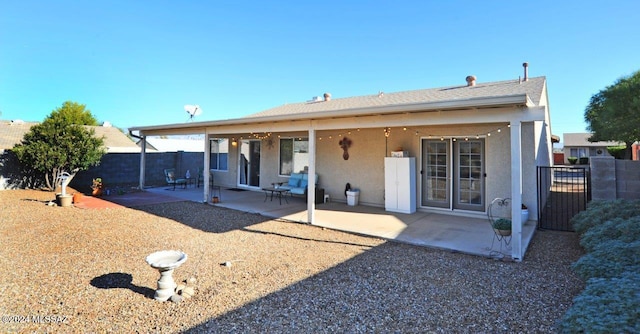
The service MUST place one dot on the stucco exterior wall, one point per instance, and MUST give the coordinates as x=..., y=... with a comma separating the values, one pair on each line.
x=498, y=165
x=364, y=169
x=228, y=178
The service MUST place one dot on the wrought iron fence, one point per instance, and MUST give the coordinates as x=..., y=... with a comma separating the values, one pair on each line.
x=562, y=193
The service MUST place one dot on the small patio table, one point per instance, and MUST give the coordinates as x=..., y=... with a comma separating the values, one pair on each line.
x=279, y=192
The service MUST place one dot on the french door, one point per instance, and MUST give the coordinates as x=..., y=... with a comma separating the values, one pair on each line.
x=453, y=174
x=249, y=163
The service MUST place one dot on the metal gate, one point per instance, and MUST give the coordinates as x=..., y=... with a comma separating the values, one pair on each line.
x=562, y=193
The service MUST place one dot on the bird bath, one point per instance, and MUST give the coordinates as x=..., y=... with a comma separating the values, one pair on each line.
x=165, y=262
x=64, y=199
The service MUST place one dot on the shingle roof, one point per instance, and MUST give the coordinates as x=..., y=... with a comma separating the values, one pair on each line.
x=11, y=133
x=533, y=88
x=115, y=140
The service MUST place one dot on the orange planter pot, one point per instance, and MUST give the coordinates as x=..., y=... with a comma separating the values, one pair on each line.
x=96, y=192
x=77, y=197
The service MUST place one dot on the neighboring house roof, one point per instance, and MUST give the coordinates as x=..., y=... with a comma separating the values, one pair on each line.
x=533, y=88
x=12, y=133
x=115, y=140
x=582, y=140
x=174, y=144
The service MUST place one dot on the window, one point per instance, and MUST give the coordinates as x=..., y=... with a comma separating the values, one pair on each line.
x=578, y=152
x=219, y=153
x=294, y=155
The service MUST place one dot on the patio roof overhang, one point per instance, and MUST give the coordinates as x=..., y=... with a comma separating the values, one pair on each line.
x=237, y=124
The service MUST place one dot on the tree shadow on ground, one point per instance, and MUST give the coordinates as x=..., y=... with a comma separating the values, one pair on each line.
x=121, y=281
x=204, y=217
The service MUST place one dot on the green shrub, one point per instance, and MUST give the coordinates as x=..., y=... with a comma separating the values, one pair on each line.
x=625, y=230
x=607, y=305
x=609, y=259
x=584, y=160
x=599, y=212
x=502, y=224
x=572, y=160
x=617, y=151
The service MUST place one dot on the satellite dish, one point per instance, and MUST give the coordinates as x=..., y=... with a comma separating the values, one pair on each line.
x=192, y=110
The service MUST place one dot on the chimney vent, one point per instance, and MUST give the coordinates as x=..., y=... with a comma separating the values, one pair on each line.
x=327, y=96
x=471, y=80
x=526, y=71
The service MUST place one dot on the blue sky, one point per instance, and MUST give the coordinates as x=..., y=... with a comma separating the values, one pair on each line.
x=137, y=63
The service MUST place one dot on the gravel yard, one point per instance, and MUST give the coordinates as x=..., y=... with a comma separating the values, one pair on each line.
x=84, y=270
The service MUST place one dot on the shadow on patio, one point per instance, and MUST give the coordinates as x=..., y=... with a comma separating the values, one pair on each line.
x=469, y=235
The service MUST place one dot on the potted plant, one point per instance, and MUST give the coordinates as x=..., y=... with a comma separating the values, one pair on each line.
x=524, y=214
x=77, y=197
x=502, y=226
x=97, y=187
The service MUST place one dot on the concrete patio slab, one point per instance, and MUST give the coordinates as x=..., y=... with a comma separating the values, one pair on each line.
x=471, y=235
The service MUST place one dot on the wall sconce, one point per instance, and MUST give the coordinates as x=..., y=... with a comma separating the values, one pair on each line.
x=234, y=142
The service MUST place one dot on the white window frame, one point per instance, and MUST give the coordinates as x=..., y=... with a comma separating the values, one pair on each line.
x=294, y=169
x=215, y=149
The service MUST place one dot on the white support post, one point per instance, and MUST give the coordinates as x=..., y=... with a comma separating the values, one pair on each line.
x=311, y=193
x=143, y=161
x=207, y=167
x=516, y=190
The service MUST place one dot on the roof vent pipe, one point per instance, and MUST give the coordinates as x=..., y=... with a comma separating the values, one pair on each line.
x=327, y=96
x=526, y=71
x=471, y=80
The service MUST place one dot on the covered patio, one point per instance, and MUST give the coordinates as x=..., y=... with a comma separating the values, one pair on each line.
x=463, y=147
x=470, y=235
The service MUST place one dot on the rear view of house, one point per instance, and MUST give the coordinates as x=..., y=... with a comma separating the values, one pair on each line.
x=467, y=144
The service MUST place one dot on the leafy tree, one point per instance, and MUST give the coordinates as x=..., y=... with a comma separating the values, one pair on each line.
x=613, y=114
x=62, y=143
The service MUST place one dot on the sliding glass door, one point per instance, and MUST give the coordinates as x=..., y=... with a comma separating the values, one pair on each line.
x=249, y=164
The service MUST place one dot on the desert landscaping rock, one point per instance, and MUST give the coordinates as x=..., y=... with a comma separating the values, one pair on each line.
x=87, y=265
x=188, y=292
x=176, y=298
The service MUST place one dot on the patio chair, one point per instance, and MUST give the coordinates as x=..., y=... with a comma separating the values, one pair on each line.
x=199, y=177
x=170, y=177
x=213, y=186
x=499, y=210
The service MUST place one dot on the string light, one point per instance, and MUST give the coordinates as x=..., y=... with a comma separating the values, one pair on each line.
x=386, y=131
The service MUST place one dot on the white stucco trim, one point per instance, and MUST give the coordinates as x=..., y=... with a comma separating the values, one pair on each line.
x=207, y=167
x=516, y=190
x=143, y=148
x=311, y=192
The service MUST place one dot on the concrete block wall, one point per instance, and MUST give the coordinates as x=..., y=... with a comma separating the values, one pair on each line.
x=123, y=169
x=627, y=179
x=612, y=179
x=603, y=178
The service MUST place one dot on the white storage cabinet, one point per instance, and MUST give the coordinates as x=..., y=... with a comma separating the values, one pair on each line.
x=400, y=184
